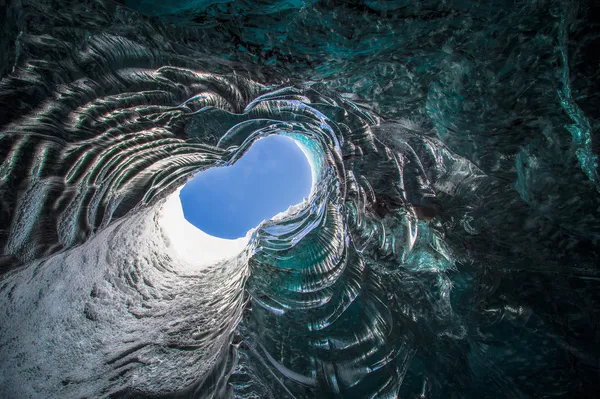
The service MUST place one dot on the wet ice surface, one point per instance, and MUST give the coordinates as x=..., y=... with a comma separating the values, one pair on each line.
x=91, y=321
x=449, y=246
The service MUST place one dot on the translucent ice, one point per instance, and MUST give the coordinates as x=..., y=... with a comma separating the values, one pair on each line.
x=449, y=246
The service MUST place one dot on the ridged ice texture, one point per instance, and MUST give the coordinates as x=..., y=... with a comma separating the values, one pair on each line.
x=449, y=248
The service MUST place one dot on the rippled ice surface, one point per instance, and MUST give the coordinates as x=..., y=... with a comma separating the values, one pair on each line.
x=450, y=247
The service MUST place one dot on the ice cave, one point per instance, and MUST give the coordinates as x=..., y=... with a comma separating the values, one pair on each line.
x=445, y=242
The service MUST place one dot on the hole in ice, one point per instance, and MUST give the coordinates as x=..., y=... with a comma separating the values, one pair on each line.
x=227, y=202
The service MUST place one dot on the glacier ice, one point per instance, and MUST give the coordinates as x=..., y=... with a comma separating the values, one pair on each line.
x=449, y=247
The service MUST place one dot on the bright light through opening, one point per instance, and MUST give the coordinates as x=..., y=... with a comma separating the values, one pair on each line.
x=271, y=176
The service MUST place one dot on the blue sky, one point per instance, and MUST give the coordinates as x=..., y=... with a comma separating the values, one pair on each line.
x=227, y=202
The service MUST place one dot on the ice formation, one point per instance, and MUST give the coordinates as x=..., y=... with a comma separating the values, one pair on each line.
x=449, y=247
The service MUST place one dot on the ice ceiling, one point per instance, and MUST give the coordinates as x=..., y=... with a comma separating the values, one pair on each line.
x=449, y=249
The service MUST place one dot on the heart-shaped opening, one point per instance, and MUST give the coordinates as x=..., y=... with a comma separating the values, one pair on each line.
x=273, y=175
